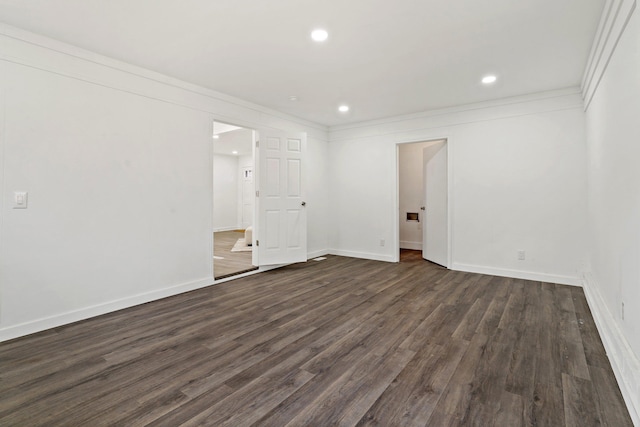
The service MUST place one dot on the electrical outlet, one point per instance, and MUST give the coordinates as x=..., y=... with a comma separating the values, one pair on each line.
x=521, y=255
x=381, y=242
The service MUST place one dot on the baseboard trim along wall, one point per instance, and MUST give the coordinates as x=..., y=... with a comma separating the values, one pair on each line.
x=362, y=255
x=624, y=362
x=518, y=274
x=414, y=246
x=315, y=254
x=43, y=324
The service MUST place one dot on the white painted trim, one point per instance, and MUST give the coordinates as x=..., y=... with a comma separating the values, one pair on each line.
x=441, y=122
x=211, y=230
x=43, y=324
x=396, y=211
x=2, y=188
x=396, y=208
x=614, y=19
x=450, y=200
x=518, y=274
x=362, y=255
x=462, y=108
x=79, y=53
x=316, y=254
x=416, y=246
x=624, y=362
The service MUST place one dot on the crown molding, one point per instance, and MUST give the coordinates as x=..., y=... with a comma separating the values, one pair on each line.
x=541, y=102
x=462, y=108
x=91, y=57
x=614, y=19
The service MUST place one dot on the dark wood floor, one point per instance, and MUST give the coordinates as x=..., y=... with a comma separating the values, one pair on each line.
x=336, y=342
x=232, y=263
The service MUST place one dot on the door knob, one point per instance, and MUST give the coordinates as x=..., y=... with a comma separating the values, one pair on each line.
x=304, y=203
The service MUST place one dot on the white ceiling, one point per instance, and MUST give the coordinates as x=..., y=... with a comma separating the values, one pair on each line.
x=232, y=138
x=383, y=57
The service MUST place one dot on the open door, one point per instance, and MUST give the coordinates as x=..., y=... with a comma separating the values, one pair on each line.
x=435, y=232
x=281, y=227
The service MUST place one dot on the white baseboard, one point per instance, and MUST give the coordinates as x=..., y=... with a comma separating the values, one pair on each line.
x=316, y=254
x=362, y=255
x=518, y=274
x=416, y=246
x=624, y=361
x=215, y=230
x=43, y=324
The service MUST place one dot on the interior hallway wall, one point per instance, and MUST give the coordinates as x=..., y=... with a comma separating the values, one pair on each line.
x=225, y=192
x=410, y=194
x=246, y=192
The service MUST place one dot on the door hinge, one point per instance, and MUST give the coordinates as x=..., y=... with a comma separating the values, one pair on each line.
x=257, y=144
x=257, y=242
x=257, y=193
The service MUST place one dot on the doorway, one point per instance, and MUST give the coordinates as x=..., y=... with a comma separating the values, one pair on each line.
x=233, y=200
x=423, y=201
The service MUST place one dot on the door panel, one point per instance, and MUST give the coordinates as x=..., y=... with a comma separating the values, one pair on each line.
x=282, y=223
x=293, y=183
x=435, y=238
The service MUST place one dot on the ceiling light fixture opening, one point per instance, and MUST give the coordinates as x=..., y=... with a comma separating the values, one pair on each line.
x=319, y=35
x=490, y=79
x=343, y=108
x=216, y=136
x=234, y=152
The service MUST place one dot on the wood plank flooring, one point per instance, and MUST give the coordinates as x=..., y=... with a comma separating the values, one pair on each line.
x=232, y=263
x=343, y=342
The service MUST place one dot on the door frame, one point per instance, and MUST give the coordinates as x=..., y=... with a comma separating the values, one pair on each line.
x=396, y=211
x=254, y=253
x=255, y=127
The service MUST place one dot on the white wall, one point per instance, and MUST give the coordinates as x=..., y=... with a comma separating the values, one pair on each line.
x=518, y=171
x=613, y=131
x=117, y=161
x=225, y=192
x=118, y=201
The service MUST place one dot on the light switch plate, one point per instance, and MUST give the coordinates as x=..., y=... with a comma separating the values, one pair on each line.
x=20, y=199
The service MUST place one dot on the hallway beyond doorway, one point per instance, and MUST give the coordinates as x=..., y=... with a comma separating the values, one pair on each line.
x=227, y=263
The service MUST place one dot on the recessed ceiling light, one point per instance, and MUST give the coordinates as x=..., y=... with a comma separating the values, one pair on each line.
x=489, y=79
x=234, y=152
x=293, y=98
x=343, y=108
x=319, y=35
x=216, y=136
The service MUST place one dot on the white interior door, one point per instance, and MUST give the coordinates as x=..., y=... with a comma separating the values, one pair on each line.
x=282, y=218
x=435, y=232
